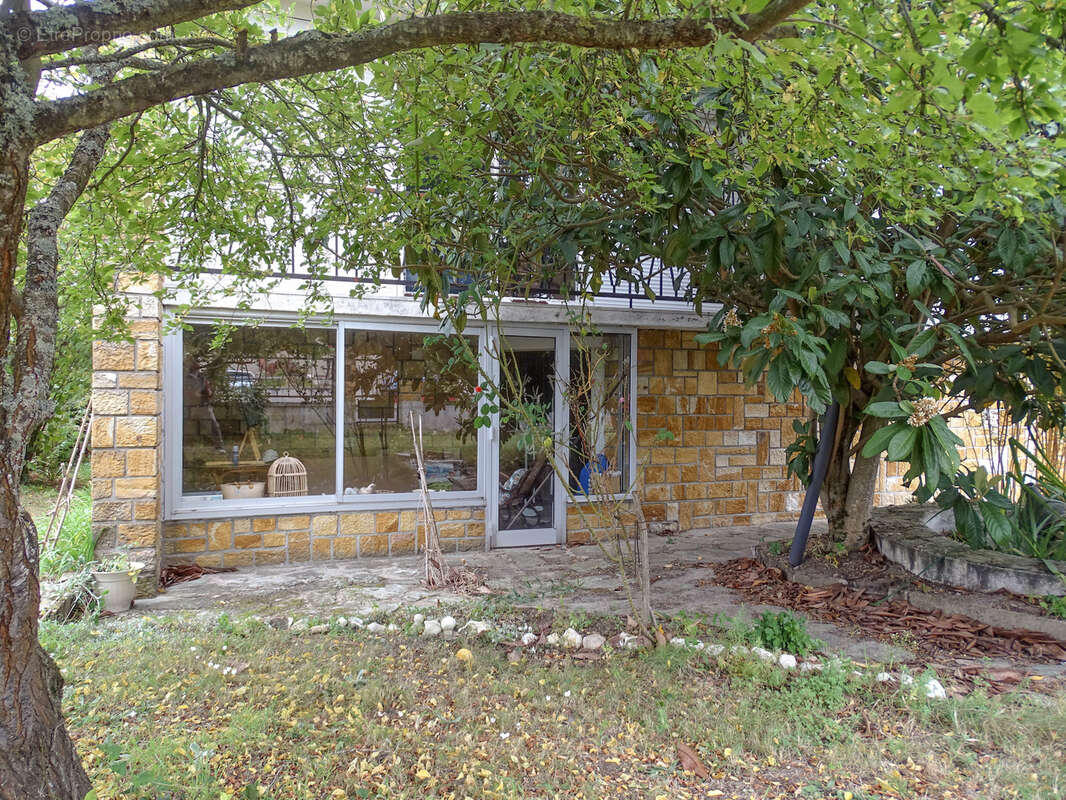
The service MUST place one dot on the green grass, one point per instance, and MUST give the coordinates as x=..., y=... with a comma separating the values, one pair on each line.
x=74, y=545
x=349, y=715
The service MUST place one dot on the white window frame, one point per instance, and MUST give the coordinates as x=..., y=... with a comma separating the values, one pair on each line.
x=177, y=506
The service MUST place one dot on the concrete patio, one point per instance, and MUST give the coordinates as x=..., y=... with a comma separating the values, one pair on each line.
x=567, y=578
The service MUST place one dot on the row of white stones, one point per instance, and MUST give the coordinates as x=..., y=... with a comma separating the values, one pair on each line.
x=571, y=639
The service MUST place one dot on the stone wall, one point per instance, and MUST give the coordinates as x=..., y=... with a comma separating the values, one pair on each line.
x=712, y=449
x=711, y=453
x=290, y=538
x=126, y=436
x=592, y=520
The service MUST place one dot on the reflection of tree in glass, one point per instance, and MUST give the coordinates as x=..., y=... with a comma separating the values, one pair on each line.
x=254, y=365
x=387, y=374
x=597, y=394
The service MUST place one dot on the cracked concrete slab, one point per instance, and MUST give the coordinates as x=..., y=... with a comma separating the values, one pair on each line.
x=573, y=578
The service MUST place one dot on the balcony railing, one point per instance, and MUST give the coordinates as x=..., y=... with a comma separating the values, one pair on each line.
x=658, y=285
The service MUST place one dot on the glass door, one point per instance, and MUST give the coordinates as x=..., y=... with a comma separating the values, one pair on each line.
x=529, y=505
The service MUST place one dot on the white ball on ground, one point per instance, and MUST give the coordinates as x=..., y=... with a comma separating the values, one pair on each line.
x=475, y=628
x=935, y=690
x=763, y=653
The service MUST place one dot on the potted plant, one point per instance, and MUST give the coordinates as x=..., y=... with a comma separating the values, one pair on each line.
x=116, y=580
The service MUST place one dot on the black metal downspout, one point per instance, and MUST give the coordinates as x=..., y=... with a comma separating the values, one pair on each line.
x=814, y=488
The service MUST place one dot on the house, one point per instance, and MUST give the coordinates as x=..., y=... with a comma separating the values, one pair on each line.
x=189, y=422
x=185, y=429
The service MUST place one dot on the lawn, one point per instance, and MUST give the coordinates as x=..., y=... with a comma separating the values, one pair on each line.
x=201, y=708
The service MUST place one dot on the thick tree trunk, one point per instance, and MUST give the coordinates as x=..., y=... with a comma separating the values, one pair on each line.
x=37, y=756
x=859, y=501
x=848, y=493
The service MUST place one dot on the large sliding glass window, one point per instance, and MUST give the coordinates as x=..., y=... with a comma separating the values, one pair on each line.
x=249, y=396
x=253, y=393
x=390, y=376
x=601, y=432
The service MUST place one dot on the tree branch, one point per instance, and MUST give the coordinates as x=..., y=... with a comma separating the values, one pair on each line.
x=67, y=27
x=35, y=339
x=758, y=25
x=313, y=52
x=191, y=43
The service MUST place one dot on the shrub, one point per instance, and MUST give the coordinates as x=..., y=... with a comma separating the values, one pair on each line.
x=782, y=631
x=1019, y=512
x=1055, y=606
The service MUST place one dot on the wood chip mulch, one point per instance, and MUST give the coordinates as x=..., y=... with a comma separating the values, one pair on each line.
x=180, y=573
x=933, y=631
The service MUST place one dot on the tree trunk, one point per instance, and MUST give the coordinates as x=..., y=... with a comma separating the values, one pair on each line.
x=37, y=756
x=848, y=493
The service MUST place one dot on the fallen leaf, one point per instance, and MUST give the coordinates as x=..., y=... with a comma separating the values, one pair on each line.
x=691, y=762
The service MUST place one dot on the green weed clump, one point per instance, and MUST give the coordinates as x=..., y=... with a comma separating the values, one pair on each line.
x=73, y=548
x=782, y=631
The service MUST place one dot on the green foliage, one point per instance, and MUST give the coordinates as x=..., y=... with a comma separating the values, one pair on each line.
x=801, y=451
x=689, y=625
x=782, y=631
x=118, y=560
x=1055, y=606
x=1021, y=512
x=892, y=241
x=73, y=548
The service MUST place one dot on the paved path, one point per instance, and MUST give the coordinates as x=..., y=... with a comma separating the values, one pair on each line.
x=572, y=578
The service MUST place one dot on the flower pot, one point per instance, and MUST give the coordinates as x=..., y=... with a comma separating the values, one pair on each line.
x=243, y=490
x=118, y=590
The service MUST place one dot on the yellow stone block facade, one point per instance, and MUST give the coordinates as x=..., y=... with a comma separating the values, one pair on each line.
x=290, y=538
x=710, y=452
x=711, y=448
x=127, y=437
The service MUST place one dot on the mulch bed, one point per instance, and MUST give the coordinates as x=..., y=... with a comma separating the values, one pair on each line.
x=180, y=573
x=933, y=632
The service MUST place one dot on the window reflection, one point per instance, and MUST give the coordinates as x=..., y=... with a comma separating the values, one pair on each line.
x=249, y=395
x=390, y=375
x=599, y=396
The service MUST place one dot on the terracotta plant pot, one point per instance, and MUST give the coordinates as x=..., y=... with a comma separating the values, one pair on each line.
x=118, y=590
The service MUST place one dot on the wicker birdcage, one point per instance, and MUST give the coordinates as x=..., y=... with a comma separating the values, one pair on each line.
x=287, y=477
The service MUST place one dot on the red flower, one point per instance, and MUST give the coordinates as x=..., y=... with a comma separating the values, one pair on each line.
x=477, y=389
